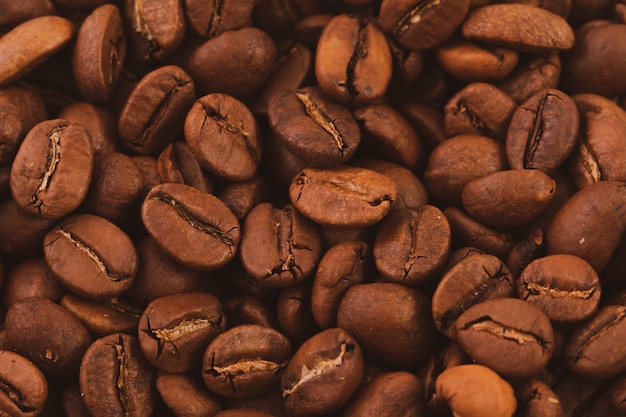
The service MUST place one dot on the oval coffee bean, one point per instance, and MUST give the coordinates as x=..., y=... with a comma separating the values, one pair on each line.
x=186, y=395
x=279, y=247
x=30, y=278
x=24, y=388
x=175, y=329
x=245, y=361
x=323, y=374
x=48, y=335
x=531, y=77
x=534, y=140
x=115, y=379
x=52, y=169
x=412, y=245
x=537, y=399
x=565, y=287
x=177, y=164
x=510, y=336
x=223, y=135
x=474, y=279
x=23, y=48
x=192, y=226
x=91, y=256
x=313, y=127
x=342, y=196
x=211, y=19
x=353, y=60
x=508, y=199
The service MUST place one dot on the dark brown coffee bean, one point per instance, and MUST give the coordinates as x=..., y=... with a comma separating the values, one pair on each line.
x=537, y=73
x=525, y=251
x=427, y=121
x=473, y=62
x=590, y=224
x=249, y=309
x=594, y=350
x=115, y=378
x=174, y=330
x=241, y=197
x=31, y=278
x=177, y=164
x=155, y=28
x=279, y=247
x=473, y=280
x=186, y=395
x=277, y=17
x=24, y=387
x=476, y=391
x=245, y=361
x=323, y=374
x=508, y=199
x=412, y=245
x=364, y=311
x=565, y=287
x=176, y=216
x=313, y=127
x=418, y=25
x=43, y=182
x=294, y=313
x=510, y=336
x=103, y=318
x=342, y=196
x=236, y=63
x=392, y=394
x=308, y=29
x=618, y=393
x=224, y=137
x=153, y=113
x=99, y=53
x=243, y=413
x=99, y=121
x=407, y=65
x=523, y=27
x=479, y=109
x=353, y=61
x=211, y=19
x=590, y=396
x=459, y=160
x=22, y=232
x=16, y=13
x=342, y=266
x=91, y=256
x=534, y=140
x=48, y=335
x=536, y=399
x=23, y=48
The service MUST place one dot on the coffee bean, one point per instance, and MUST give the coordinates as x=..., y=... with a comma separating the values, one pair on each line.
x=16, y=13
x=30, y=278
x=176, y=216
x=99, y=121
x=177, y=164
x=21, y=238
x=525, y=251
x=25, y=389
x=241, y=197
x=294, y=313
x=249, y=309
x=537, y=73
x=186, y=395
x=535, y=399
x=212, y=19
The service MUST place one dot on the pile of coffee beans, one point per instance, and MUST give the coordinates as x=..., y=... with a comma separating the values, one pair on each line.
x=302, y=208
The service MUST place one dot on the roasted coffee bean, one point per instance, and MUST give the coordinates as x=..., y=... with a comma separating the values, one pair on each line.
x=565, y=287
x=186, y=395
x=236, y=63
x=243, y=413
x=534, y=140
x=176, y=216
x=313, y=127
x=353, y=61
x=177, y=164
x=278, y=17
x=591, y=397
x=211, y=19
x=308, y=29
x=536, y=399
x=364, y=311
x=224, y=137
x=294, y=313
x=91, y=256
x=24, y=387
x=155, y=28
x=475, y=390
x=342, y=196
x=538, y=72
x=508, y=199
x=323, y=374
x=48, y=335
x=16, y=13
x=473, y=280
x=23, y=47
x=342, y=266
x=594, y=350
x=510, y=336
x=115, y=378
x=418, y=25
x=153, y=114
x=52, y=169
x=174, y=330
x=427, y=121
x=525, y=251
x=241, y=197
x=99, y=121
x=248, y=309
x=412, y=245
x=523, y=27
x=245, y=361
x=30, y=278
x=279, y=247
x=392, y=394
x=99, y=53
x=23, y=233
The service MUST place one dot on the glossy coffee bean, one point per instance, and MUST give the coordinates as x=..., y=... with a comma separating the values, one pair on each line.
x=25, y=387
x=176, y=216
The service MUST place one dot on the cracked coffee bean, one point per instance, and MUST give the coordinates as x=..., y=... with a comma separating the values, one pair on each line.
x=24, y=388
x=52, y=169
x=116, y=379
x=177, y=164
x=91, y=256
x=176, y=216
x=212, y=18
x=510, y=336
x=245, y=361
x=175, y=329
